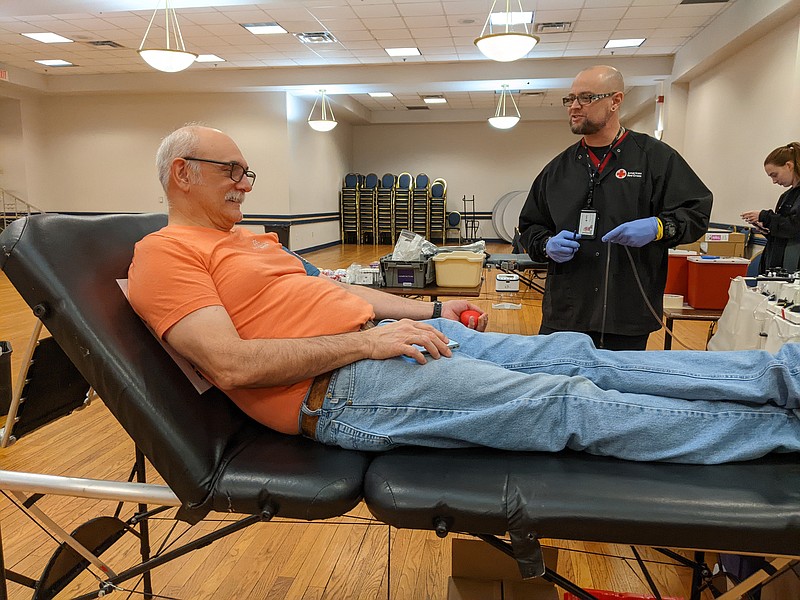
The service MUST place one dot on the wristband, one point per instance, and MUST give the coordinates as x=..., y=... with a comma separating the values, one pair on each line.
x=437, y=310
x=660, y=233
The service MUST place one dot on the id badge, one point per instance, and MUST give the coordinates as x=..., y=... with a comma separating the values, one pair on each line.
x=587, y=224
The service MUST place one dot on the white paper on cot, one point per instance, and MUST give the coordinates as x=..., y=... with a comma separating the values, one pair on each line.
x=200, y=383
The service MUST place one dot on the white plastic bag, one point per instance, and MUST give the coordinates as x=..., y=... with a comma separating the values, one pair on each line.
x=743, y=320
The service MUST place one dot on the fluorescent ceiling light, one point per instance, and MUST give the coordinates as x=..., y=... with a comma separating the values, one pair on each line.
x=209, y=58
x=434, y=100
x=48, y=38
x=263, y=28
x=403, y=51
x=512, y=18
x=54, y=63
x=380, y=94
x=629, y=43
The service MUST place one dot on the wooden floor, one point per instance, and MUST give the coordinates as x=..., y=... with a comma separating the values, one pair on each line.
x=279, y=560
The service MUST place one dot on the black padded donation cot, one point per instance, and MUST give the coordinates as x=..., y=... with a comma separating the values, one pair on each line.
x=214, y=458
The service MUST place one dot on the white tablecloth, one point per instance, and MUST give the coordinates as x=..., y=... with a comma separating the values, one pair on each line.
x=750, y=322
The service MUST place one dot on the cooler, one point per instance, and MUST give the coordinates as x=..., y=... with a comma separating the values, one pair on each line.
x=678, y=272
x=709, y=278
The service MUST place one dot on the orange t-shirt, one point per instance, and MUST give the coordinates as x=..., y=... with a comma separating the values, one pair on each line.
x=264, y=289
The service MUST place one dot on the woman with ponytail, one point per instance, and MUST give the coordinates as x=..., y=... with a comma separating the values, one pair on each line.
x=781, y=226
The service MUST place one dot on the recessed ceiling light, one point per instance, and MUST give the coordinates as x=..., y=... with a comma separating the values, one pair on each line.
x=209, y=58
x=403, y=51
x=54, y=63
x=629, y=43
x=511, y=18
x=380, y=94
x=48, y=38
x=263, y=28
x=434, y=100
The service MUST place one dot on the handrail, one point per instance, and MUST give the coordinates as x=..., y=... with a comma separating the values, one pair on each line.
x=14, y=207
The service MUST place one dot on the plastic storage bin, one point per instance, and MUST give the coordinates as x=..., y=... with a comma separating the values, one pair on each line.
x=458, y=269
x=406, y=273
x=678, y=272
x=709, y=279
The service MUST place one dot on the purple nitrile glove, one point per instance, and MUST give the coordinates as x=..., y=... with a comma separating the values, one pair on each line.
x=563, y=246
x=634, y=233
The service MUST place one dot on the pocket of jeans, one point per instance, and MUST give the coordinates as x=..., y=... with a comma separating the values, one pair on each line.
x=352, y=438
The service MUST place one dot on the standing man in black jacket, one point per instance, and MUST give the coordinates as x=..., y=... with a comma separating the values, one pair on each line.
x=613, y=193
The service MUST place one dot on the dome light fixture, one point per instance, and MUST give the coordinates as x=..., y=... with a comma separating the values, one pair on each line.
x=174, y=57
x=505, y=119
x=323, y=120
x=507, y=45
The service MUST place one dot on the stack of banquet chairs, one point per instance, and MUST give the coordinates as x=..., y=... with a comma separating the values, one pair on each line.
x=402, y=203
x=384, y=209
x=419, y=206
x=437, y=210
x=348, y=208
x=367, y=196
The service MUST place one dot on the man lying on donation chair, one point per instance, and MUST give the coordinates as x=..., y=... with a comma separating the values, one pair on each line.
x=296, y=353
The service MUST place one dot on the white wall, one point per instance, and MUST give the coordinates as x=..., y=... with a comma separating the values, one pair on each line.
x=97, y=153
x=318, y=162
x=473, y=158
x=12, y=158
x=738, y=112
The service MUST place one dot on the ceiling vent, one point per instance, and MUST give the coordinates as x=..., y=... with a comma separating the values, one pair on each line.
x=105, y=44
x=316, y=37
x=418, y=107
x=554, y=27
x=535, y=93
x=703, y=1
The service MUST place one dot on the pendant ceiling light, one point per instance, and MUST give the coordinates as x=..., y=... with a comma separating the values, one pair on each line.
x=508, y=44
x=322, y=119
x=504, y=118
x=173, y=57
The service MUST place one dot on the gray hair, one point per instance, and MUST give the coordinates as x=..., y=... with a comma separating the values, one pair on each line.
x=179, y=143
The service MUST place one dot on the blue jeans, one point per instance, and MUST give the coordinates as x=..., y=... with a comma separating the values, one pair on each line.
x=547, y=393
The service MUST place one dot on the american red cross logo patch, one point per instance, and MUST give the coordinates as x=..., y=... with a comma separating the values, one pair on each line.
x=621, y=174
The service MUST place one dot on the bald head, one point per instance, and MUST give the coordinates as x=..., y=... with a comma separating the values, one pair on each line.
x=601, y=79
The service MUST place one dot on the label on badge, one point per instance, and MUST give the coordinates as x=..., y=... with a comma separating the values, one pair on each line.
x=587, y=225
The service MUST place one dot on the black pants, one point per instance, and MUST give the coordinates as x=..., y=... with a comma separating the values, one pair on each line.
x=611, y=341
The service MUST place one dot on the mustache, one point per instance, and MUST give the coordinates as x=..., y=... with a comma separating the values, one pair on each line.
x=235, y=196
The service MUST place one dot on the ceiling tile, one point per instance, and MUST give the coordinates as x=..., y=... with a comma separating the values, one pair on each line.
x=384, y=23
x=599, y=14
x=421, y=9
x=425, y=22
x=376, y=11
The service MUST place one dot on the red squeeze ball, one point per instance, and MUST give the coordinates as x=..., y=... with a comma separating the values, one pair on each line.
x=464, y=317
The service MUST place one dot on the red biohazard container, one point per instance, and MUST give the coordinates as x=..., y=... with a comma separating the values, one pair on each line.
x=709, y=280
x=678, y=271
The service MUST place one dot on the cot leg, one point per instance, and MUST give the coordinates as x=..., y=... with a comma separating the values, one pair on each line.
x=668, y=335
x=144, y=530
x=3, y=591
x=697, y=575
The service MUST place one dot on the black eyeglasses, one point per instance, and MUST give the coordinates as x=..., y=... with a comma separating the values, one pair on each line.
x=236, y=173
x=585, y=98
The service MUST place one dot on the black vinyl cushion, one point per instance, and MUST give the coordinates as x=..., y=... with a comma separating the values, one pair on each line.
x=212, y=455
x=738, y=507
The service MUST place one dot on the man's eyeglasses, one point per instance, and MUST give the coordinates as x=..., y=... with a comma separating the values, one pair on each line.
x=585, y=98
x=236, y=172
